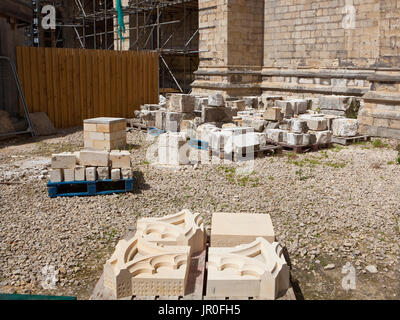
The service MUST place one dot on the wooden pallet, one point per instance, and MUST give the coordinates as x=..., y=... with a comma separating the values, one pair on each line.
x=302, y=148
x=345, y=141
x=88, y=188
x=133, y=124
x=243, y=156
x=156, y=132
x=199, y=144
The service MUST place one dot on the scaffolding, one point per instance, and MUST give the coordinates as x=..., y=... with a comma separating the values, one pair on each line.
x=169, y=27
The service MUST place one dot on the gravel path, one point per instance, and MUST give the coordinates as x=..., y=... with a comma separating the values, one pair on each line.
x=328, y=208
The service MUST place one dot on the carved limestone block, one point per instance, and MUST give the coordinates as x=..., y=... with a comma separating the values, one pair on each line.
x=183, y=228
x=142, y=268
x=257, y=270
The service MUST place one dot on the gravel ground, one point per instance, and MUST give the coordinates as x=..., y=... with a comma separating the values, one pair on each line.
x=329, y=208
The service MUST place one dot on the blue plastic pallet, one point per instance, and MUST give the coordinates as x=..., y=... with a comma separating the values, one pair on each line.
x=156, y=132
x=198, y=144
x=92, y=188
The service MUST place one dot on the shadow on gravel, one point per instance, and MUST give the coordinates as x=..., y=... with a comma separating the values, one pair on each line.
x=22, y=139
x=140, y=183
x=295, y=283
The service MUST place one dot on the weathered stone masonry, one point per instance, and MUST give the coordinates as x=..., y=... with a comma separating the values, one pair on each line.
x=305, y=48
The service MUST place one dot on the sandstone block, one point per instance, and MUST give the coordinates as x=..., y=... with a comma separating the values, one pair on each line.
x=103, y=173
x=160, y=120
x=273, y=125
x=173, y=121
x=232, y=229
x=257, y=124
x=323, y=137
x=299, y=126
x=199, y=103
x=65, y=160
x=268, y=101
x=182, y=103
x=317, y=123
x=80, y=173
x=216, y=100
x=126, y=173
x=239, y=105
x=56, y=175
x=299, y=106
x=69, y=175
x=94, y=158
x=252, y=102
x=216, y=114
x=91, y=174
x=273, y=114
x=275, y=135
x=344, y=127
x=286, y=107
x=120, y=159
x=115, y=174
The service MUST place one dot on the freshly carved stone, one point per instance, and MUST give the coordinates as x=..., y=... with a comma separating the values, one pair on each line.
x=258, y=269
x=232, y=229
x=183, y=228
x=138, y=267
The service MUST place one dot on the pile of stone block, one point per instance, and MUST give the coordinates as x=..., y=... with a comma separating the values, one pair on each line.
x=341, y=106
x=156, y=260
x=104, y=133
x=91, y=165
x=173, y=149
x=243, y=259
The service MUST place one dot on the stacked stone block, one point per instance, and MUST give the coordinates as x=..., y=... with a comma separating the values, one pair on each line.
x=90, y=165
x=105, y=133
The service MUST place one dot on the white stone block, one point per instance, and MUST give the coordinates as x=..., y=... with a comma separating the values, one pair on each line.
x=344, y=127
x=80, y=173
x=126, y=173
x=317, y=123
x=323, y=137
x=299, y=126
x=275, y=135
x=294, y=139
x=56, y=175
x=216, y=100
x=120, y=159
x=103, y=173
x=91, y=174
x=257, y=269
x=182, y=103
x=115, y=174
x=65, y=160
x=299, y=106
x=69, y=175
x=93, y=158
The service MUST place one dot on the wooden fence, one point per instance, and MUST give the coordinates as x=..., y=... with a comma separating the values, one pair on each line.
x=71, y=85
